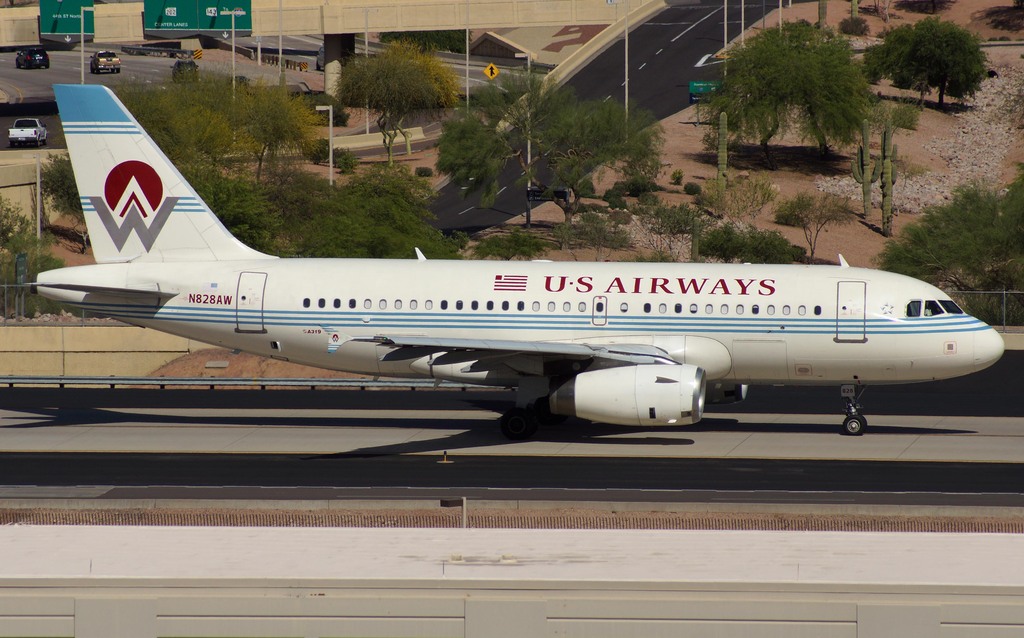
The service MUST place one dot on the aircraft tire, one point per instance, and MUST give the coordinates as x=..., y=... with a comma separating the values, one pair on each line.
x=518, y=424
x=854, y=425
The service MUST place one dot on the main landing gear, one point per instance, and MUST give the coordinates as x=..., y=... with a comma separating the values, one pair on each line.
x=519, y=424
x=854, y=423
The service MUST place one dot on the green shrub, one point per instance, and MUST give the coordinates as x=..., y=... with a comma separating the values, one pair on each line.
x=648, y=199
x=345, y=160
x=677, y=177
x=692, y=188
x=318, y=151
x=854, y=26
x=424, y=171
x=728, y=243
x=786, y=217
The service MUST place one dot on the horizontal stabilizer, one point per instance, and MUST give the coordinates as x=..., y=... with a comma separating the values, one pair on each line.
x=131, y=293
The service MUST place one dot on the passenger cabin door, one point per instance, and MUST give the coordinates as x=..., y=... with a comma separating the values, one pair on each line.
x=249, y=302
x=599, y=313
x=851, y=317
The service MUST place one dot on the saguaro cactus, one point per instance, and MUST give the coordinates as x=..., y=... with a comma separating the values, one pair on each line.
x=888, y=179
x=822, y=13
x=854, y=8
x=723, y=146
x=863, y=172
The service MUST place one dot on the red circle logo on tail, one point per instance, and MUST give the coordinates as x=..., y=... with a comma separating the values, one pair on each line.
x=133, y=183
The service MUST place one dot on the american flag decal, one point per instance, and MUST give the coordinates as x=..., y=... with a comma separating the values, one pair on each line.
x=513, y=283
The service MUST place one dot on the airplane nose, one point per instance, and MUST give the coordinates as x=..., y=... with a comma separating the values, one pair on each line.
x=988, y=347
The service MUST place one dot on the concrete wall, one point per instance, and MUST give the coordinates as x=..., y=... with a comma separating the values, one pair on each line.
x=121, y=608
x=18, y=179
x=91, y=350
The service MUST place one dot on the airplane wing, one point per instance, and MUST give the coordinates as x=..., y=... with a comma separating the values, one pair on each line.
x=458, y=350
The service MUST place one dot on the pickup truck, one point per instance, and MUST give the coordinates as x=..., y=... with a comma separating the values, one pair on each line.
x=104, y=61
x=27, y=131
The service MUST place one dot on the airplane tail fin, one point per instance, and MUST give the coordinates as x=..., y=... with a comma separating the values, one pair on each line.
x=137, y=205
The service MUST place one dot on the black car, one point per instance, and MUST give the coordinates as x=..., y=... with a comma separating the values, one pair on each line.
x=34, y=58
x=184, y=71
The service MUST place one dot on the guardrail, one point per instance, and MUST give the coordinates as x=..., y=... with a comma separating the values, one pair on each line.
x=211, y=383
x=162, y=52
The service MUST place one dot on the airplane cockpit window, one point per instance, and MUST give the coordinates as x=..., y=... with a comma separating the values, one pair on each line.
x=932, y=308
x=951, y=307
x=914, y=309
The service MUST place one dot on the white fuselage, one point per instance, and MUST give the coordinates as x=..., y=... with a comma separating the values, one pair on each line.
x=756, y=324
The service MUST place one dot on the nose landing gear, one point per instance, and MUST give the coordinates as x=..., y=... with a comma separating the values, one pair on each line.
x=854, y=423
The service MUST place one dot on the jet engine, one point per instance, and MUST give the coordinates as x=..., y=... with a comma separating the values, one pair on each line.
x=634, y=395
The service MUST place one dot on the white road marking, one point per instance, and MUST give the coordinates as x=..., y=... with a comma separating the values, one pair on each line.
x=694, y=24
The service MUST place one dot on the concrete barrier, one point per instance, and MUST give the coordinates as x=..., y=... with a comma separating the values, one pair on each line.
x=94, y=350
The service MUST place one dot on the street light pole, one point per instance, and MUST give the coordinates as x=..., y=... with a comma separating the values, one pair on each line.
x=467, y=55
x=233, y=12
x=280, y=39
x=626, y=57
x=529, y=140
x=330, y=141
x=81, y=41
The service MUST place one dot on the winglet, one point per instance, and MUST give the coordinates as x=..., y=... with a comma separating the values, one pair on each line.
x=419, y=255
x=842, y=261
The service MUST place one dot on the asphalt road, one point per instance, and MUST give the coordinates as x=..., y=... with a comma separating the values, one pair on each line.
x=663, y=54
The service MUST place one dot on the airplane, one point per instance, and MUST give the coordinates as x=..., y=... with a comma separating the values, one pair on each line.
x=640, y=344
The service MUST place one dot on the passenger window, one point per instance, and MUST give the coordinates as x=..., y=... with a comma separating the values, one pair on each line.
x=709, y=309
x=693, y=309
x=817, y=311
x=474, y=305
x=551, y=306
x=504, y=305
x=490, y=305
x=785, y=310
x=337, y=303
x=322, y=303
x=521, y=306
x=398, y=304
x=305, y=302
x=383, y=304
x=725, y=309
x=932, y=308
x=739, y=309
x=458, y=305
x=647, y=308
x=412, y=305
x=351, y=303
x=802, y=310
x=367, y=304
x=770, y=310
x=679, y=308
x=566, y=307
x=662, y=309
x=428, y=305
x=599, y=307
x=755, y=309
x=444, y=304
x=624, y=307
x=583, y=307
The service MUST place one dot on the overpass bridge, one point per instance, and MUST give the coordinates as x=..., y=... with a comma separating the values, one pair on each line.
x=341, y=20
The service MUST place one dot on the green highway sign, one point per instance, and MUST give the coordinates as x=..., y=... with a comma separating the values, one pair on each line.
x=61, y=20
x=191, y=18
x=704, y=86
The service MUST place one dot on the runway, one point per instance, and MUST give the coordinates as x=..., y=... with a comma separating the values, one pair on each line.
x=957, y=442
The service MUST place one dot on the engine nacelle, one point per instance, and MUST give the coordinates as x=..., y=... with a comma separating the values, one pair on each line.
x=634, y=395
x=721, y=393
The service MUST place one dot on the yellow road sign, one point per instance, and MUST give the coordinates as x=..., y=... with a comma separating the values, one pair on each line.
x=491, y=71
